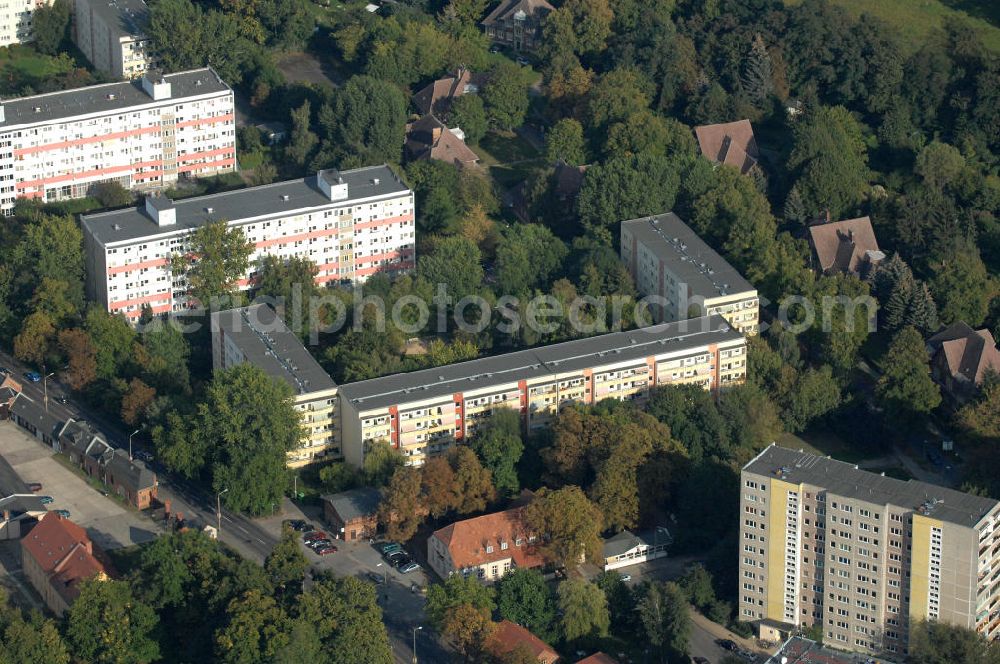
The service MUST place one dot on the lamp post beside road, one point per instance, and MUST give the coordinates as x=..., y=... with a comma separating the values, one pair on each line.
x=415, y=630
x=45, y=388
x=130, y=442
x=218, y=513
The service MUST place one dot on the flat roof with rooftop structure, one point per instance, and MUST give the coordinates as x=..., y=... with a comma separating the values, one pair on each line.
x=847, y=480
x=277, y=199
x=104, y=99
x=126, y=18
x=539, y=362
x=706, y=273
x=267, y=343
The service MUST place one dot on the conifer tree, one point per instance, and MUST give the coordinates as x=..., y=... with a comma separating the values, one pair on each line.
x=922, y=313
x=896, y=308
x=756, y=79
x=795, y=208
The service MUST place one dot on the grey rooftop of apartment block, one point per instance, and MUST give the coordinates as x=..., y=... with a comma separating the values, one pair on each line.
x=269, y=345
x=706, y=273
x=568, y=356
x=847, y=480
x=106, y=98
x=127, y=18
x=263, y=201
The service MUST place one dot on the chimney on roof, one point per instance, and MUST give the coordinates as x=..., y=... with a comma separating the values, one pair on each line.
x=435, y=134
x=827, y=214
x=155, y=85
x=331, y=184
x=161, y=209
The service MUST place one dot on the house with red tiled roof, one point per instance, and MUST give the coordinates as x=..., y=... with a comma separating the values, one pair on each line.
x=845, y=246
x=9, y=389
x=486, y=546
x=57, y=556
x=598, y=658
x=509, y=637
x=961, y=358
x=731, y=143
x=437, y=96
x=429, y=138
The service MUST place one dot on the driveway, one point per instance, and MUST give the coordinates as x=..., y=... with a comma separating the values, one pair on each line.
x=705, y=633
x=106, y=521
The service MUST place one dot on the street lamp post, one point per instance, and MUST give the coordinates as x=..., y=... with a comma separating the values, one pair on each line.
x=385, y=572
x=218, y=513
x=130, y=442
x=45, y=388
x=415, y=630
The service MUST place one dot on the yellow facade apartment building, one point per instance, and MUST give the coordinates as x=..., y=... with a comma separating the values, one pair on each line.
x=424, y=413
x=862, y=555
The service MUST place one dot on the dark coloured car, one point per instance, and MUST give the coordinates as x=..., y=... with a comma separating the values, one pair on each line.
x=700, y=660
x=376, y=578
x=297, y=525
x=46, y=500
x=62, y=399
x=727, y=644
x=33, y=376
x=35, y=486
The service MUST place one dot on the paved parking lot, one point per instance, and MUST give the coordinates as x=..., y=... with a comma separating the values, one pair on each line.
x=107, y=522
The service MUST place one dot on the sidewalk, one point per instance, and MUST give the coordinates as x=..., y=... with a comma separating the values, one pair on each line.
x=719, y=632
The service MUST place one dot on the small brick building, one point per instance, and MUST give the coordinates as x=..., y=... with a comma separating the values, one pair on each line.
x=352, y=515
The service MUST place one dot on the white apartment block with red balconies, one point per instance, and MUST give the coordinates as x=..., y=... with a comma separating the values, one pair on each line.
x=351, y=224
x=143, y=134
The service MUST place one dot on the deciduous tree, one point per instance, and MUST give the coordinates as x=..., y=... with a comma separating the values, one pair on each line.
x=564, y=142
x=498, y=444
x=218, y=258
x=584, y=610
x=568, y=524
x=505, y=96
x=402, y=508
x=136, y=400
x=108, y=625
x=469, y=113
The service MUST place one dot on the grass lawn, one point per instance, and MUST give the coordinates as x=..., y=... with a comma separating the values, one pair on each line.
x=503, y=148
x=825, y=443
x=915, y=19
x=31, y=63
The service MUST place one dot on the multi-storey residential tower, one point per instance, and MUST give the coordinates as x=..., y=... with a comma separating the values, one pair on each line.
x=668, y=260
x=352, y=224
x=112, y=35
x=143, y=135
x=258, y=336
x=424, y=412
x=16, y=21
x=863, y=555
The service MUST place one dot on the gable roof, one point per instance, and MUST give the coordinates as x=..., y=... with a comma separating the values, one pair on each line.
x=64, y=553
x=356, y=503
x=626, y=541
x=436, y=96
x=509, y=636
x=731, y=143
x=535, y=9
x=30, y=411
x=598, y=658
x=843, y=246
x=131, y=473
x=569, y=179
x=467, y=540
x=429, y=138
x=968, y=354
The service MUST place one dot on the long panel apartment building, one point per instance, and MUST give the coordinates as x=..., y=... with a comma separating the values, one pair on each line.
x=258, y=336
x=668, y=260
x=862, y=555
x=351, y=224
x=424, y=412
x=112, y=35
x=145, y=134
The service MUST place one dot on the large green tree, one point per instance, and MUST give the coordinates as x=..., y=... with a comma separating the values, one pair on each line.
x=905, y=387
x=457, y=590
x=372, y=117
x=584, y=610
x=626, y=188
x=106, y=624
x=348, y=621
x=218, y=257
x=962, y=286
x=505, y=96
x=663, y=614
x=568, y=524
x=499, y=446
x=50, y=26
x=527, y=257
x=933, y=642
x=524, y=598
x=286, y=565
x=257, y=629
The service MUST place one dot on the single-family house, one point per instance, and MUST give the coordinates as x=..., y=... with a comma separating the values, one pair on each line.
x=56, y=557
x=509, y=637
x=486, y=546
x=731, y=143
x=437, y=96
x=429, y=138
x=517, y=23
x=598, y=658
x=845, y=246
x=961, y=358
x=352, y=515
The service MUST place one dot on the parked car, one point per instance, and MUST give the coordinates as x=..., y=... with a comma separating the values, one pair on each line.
x=727, y=644
x=145, y=456
x=410, y=567
x=626, y=578
x=326, y=550
x=35, y=486
x=314, y=535
x=63, y=513
x=398, y=558
x=495, y=48
x=392, y=547
x=699, y=660
x=33, y=376
x=523, y=61
x=46, y=500
x=298, y=525
x=317, y=543
x=376, y=578
x=4, y=371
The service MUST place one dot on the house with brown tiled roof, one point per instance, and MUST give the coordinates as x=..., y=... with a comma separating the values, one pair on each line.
x=429, y=138
x=9, y=389
x=845, y=246
x=961, y=358
x=517, y=23
x=731, y=143
x=437, y=96
x=486, y=546
x=598, y=658
x=509, y=637
x=57, y=556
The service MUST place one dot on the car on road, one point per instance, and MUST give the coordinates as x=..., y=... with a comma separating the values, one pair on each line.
x=4, y=371
x=727, y=644
x=409, y=567
x=33, y=376
x=326, y=550
x=46, y=500
x=63, y=513
x=143, y=455
x=35, y=486
x=62, y=399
